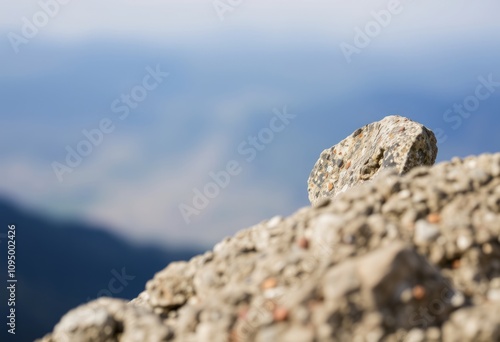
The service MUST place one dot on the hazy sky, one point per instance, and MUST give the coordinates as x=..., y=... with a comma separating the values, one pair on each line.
x=156, y=19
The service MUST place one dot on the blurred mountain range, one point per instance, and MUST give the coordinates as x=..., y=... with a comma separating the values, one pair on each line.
x=222, y=91
x=60, y=265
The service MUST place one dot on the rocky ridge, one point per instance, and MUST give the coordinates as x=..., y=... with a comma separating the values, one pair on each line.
x=404, y=257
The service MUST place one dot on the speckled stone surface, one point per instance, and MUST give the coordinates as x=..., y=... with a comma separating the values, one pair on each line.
x=394, y=142
x=107, y=320
x=413, y=257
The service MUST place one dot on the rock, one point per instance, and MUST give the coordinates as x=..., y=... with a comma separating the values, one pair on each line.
x=425, y=232
x=480, y=323
x=107, y=319
x=389, y=272
x=395, y=142
x=378, y=282
x=170, y=288
x=411, y=257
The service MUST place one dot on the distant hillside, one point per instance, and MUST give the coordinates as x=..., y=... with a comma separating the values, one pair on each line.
x=60, y=265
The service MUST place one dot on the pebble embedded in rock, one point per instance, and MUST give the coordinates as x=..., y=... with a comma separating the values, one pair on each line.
x=425, y=232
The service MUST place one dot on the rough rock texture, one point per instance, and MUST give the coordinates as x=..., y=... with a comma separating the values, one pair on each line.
x=394, y=142
x=413, y=257
x=108, y=319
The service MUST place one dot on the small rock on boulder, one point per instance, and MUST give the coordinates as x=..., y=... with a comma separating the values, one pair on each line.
x=395, y=142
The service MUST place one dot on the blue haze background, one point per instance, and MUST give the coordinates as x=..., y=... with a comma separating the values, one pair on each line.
x=226, y=77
